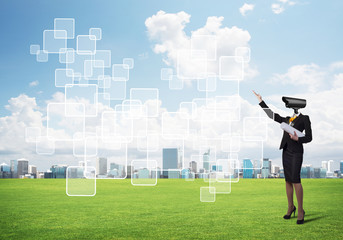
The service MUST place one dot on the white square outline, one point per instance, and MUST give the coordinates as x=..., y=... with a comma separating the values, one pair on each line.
x=208, y=189
x=71, y=195
x=44, y=44
x=144, y=185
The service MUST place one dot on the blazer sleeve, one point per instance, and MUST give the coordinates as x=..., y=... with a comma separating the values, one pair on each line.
x=275, y=116
x=308, y=131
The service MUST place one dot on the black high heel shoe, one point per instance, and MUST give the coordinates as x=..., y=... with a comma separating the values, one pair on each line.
x=289, y=216
x=302, y=220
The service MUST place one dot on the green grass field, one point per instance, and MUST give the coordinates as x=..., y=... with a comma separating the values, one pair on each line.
x=40, y=209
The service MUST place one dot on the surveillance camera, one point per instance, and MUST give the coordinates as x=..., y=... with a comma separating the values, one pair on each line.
x=295, y=103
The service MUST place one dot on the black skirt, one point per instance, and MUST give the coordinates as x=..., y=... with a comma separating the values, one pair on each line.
x=292, y=162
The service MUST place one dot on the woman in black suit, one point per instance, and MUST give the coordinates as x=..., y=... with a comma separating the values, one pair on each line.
x=292, y=156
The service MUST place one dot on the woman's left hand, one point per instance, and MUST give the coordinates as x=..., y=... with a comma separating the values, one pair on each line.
x=294, y=137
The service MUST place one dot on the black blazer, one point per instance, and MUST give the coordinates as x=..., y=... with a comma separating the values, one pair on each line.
x=302, y=122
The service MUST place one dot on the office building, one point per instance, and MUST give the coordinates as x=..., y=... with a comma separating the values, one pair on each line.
x=114, y=166
x=185, y=173
x=173, y=174
x=129, y=170
x=14, y=168
x=316, y=172
x=170, y=160
x=58, y=171
x=323, y=172
x=23, y=167
x=5, y=171
x=257, y=168
x=143, y=173
x=206, y=160
x=248, y=168
x=101, y=166
x=325, y=165
x=33, y=170
x=265, y=168
x=193, y=166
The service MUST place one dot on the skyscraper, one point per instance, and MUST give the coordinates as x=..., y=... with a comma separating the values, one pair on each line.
x=193, y=166
x=101, y=166
x=330, y=166
x=247, y=168
x=341, y=166
x=265, y=168
x=325, y=165
x=170, y=160
x=206, y=160
x=33, y=170
x=58, y=171
x=14, y=168
x=23, y=167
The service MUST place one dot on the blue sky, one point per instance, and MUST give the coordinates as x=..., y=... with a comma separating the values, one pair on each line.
x=303, y=41
x=308, y=32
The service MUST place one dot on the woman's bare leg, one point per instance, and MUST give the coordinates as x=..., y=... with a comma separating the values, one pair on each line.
x=289, y=192
x=300, y=195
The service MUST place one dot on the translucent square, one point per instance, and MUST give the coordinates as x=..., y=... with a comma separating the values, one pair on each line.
x=34, y=48
x=42, y=56
x=52, y=44
x=86, y=44
x=120, y=72
x=66, y=55
x=243, y=53
x=45, y=146
x=81, y=181
x=129, y=62
x=32, y=134
x=207, y=194
x=141, y=172
x=231, y=68
x=66, y=24
x=166, y=74
x=96, y=32
x=63, y=77
x=116, y=89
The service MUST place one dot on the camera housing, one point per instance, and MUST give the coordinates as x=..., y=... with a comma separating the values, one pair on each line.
x=295, y=103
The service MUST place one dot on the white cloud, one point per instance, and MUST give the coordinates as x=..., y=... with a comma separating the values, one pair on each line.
x=324, y=106
x=309, y=75
x=34, y=83
x=277, y=8
x=246, y=8
x=280, y=6
x=179, y=49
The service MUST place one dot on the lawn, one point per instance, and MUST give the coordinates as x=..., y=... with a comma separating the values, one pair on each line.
x=40, y=209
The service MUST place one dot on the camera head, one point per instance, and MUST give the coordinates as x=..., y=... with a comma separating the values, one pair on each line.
x=295, y=103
